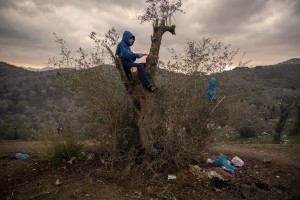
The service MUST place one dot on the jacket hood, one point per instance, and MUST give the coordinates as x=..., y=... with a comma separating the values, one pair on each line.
x=126, y=36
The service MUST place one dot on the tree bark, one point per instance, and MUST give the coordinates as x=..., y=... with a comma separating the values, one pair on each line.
x=150, y=116
x=156, y=37
x=296, y=129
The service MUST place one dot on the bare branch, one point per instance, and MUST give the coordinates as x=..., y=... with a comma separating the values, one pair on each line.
x=206, y=55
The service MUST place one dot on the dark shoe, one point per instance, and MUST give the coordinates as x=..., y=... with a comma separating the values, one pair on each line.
x=151, y=88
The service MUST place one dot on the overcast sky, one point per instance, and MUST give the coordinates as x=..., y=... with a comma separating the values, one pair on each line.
x=268, y=30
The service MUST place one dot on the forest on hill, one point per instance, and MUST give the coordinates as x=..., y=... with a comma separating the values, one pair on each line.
x=32, y=102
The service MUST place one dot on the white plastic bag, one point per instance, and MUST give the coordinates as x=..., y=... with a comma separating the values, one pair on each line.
x=236, y=161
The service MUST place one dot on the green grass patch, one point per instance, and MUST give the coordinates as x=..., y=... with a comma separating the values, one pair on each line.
x=229, y=135
x=262, y=139
x=292, y=139
x=162, y=196
x=64, y=148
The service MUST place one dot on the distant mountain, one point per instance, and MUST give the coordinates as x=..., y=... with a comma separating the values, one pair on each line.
x=8, y=67
x=38, y=69
x=9, y=70
x=292, y=61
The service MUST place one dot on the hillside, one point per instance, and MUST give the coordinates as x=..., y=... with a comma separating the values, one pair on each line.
x=31, y=100
x=33, y=104
x=255, y=95
x=292, y=61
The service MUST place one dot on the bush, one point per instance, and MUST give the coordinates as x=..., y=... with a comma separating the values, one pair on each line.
x=184, y=122
x=64, y=148
x=247, y=132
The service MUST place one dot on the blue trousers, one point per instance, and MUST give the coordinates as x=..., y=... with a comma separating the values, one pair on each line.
x=141, y=71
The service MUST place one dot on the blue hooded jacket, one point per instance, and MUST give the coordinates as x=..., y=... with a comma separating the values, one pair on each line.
x=123, y=49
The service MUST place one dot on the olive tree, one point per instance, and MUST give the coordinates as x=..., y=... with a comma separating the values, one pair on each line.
x=140, y=124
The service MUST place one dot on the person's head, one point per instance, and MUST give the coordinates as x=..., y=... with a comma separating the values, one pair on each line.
x=128, y=38
x=131, y=40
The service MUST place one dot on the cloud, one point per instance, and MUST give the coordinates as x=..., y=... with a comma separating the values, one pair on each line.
x=267, y=30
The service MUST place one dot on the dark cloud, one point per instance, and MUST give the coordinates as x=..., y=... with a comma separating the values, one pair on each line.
x=6, y=4
x=228, y=16
x=27, y=7
x=7, y=34
x=89, y=4
x=257, y=26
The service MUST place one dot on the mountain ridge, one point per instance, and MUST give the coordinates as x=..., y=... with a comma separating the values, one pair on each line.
x=29, y=100
x=38, y=69
x=292, y=61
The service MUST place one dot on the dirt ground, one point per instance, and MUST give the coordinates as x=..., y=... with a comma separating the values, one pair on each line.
x=270, y=172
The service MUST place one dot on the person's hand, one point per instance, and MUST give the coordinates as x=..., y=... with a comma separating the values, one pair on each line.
x=141, y=55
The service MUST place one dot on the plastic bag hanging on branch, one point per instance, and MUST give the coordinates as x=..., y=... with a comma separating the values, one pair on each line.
x=212, y=88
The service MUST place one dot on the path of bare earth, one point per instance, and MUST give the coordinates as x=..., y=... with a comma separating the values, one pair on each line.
x=35, y=178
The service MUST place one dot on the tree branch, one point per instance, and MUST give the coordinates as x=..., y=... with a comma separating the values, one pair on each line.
x=171, y=29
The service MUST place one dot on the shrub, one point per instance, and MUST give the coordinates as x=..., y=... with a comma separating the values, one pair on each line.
x=184, y=121
x=64, y=148
x=247, y=132
x=60, y=145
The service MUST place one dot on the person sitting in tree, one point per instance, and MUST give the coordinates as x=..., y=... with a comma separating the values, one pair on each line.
x=128, y=57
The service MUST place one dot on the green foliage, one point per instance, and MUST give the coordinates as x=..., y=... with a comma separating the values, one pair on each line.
x=293, y=139
x=30, y=99
x=162, y=10
x=64, y=147
x=11, y=133
x=162, y=196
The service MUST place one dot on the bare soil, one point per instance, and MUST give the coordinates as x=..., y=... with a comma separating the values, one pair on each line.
x=270, y=172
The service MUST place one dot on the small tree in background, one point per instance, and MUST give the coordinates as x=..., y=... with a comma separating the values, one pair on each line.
x=206, y=56
x=284, y=113
x=296, y=128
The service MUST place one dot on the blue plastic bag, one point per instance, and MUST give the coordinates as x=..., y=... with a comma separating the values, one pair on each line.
x=22, y=156
x=212, y=88
x=222, y=161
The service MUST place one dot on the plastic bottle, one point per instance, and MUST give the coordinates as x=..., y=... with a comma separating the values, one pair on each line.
x=22, y=156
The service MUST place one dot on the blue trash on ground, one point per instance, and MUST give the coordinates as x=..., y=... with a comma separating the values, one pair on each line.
x=212, y=88
x=22, y=156
x=222, y=161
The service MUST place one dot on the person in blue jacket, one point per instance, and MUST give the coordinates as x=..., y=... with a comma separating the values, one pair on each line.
x=128, y=58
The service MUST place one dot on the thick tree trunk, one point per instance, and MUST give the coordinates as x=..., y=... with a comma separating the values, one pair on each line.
x=282, y=120
x=156, y=37
x=150, y=116
x=147, y=114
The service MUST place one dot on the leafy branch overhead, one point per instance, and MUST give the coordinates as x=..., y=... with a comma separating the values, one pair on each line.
x=162, y=10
